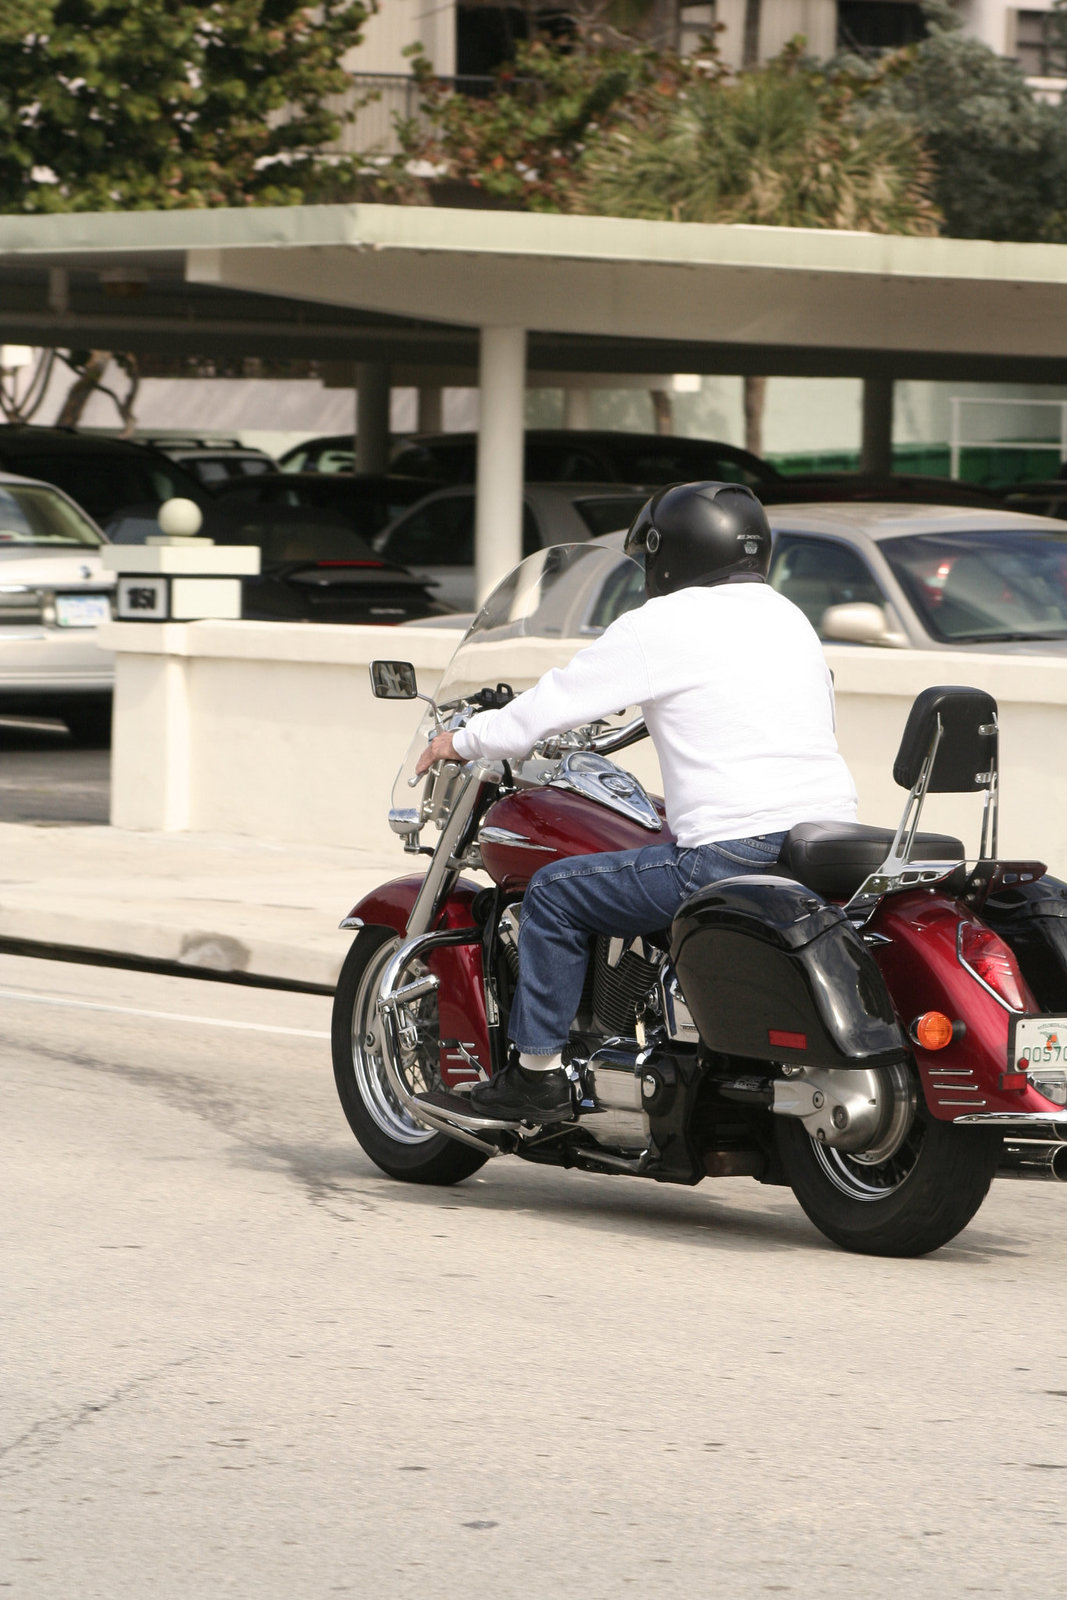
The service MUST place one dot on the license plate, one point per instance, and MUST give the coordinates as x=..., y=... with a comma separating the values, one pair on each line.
x=1038, y=1042
x=82, y=610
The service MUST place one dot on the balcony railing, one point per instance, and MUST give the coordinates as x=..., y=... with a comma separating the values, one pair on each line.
x=380, y=99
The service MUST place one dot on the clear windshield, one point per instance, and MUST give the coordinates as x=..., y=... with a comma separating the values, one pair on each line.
x=550, y=606
x=985, y=586
x=30, y=514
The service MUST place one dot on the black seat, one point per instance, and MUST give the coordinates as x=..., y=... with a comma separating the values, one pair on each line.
x=833, y=858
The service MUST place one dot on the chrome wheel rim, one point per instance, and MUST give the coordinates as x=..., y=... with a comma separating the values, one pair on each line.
x=416, y=1068
x=884, y=1167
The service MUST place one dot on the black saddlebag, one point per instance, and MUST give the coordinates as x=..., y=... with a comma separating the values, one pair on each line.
x=770, y=971
x=1031, y=918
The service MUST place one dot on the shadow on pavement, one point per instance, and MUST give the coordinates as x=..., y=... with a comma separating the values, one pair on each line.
x=46, y=778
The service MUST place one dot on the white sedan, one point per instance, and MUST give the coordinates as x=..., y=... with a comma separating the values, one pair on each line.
x=54, y=593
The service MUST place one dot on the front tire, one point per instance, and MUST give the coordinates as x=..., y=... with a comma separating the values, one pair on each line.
x=907, y=1204
x=401, y=1146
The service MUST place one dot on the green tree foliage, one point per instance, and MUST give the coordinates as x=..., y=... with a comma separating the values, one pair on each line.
x=106, y=105
x=787, y=145
x=1000, y=154
x=647, y=133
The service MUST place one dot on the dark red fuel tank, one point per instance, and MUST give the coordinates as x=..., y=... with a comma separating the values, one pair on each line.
x=549, y=824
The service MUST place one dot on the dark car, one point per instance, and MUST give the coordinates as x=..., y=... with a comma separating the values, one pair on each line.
x=212, y=461
x=330, y=452
x=368, y=503
x=824, y=488
x=315, y=569
x=568, y=455
x=104, y=476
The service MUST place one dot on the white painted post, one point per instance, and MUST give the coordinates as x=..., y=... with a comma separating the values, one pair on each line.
x=501, y=438
x=576, y=408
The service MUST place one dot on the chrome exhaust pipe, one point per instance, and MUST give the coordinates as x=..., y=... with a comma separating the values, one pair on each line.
x=1036, y=1159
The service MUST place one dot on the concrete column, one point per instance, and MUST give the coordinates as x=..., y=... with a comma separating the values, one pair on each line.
x=501, y=439
x=429, y=417
x=876, y=447
x=372, y=416
x=577, y=410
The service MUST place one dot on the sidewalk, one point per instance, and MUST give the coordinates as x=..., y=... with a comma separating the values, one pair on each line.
x=227, y=903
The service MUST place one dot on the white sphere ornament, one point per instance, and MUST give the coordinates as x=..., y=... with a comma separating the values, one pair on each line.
x=179, y=518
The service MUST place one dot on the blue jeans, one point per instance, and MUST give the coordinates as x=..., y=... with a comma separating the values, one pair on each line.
x=621, y=892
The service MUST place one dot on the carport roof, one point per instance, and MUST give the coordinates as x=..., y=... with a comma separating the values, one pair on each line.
x=412, y=285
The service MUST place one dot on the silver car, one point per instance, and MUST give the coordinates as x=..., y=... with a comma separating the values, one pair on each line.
x=54, y=593
x=924, y=577
x=435, y=539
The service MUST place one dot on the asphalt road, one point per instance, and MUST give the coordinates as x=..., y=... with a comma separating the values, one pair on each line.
x=238, y=1360
x=46, y=777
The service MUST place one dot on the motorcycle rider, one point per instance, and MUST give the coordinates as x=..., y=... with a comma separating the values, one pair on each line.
x=738, y=699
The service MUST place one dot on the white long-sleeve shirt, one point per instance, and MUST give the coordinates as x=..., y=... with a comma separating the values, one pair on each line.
x=737, y=697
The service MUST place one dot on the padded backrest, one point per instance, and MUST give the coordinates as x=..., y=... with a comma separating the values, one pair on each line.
x=968, y=748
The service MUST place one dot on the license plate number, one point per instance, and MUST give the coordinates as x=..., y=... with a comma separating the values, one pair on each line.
x=82, y=610
x=1039, y=1042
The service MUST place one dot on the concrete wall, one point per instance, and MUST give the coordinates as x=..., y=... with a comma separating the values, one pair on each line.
x=270, y=729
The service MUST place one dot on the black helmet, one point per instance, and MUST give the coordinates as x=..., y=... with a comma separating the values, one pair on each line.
x=700, y=533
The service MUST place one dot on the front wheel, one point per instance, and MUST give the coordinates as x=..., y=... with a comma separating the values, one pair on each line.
x=391, y=1136
x=906, y=1202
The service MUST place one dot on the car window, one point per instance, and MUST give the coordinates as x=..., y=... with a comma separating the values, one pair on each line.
x=251, y=468
x=30, y=515
x=438, y=534
x=563, y=462
x=305, y=535
x=210, y=471
x=104, y=482
x=623, y=590
x=818, y=573
x=1009, y=584
x=609, y=513
x=441, y=534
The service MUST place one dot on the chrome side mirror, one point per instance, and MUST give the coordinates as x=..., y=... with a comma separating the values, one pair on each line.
x=393, y=680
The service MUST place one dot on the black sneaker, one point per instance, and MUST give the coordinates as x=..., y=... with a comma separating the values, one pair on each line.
x=515, y=1095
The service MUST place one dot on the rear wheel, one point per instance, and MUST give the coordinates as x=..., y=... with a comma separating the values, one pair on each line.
x=909, y=1196
x=394, y=1139
x=89, y=722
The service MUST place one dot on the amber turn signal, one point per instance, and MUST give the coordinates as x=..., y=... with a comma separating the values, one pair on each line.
x=932, y=1031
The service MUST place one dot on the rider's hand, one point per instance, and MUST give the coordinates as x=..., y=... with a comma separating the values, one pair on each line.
x=440, y=748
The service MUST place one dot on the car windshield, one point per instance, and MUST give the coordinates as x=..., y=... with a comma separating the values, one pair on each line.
x=30, y=514
x=545, y=610
x=985, y=586
x=303, y=535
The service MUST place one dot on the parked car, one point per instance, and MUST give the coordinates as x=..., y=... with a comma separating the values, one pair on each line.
x=569, y=455
x=925, y=577
x=314, y=569
x=367, y=503
x=1043, y=499
x=331, y=452
x=436, y=537
x=106, y=477
x=54, y=593
x=213, y=461
x=899, y=487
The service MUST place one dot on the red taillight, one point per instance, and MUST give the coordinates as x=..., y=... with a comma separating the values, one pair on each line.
x=986, y=955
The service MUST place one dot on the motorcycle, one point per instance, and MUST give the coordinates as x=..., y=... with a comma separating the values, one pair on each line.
x=875, y=1022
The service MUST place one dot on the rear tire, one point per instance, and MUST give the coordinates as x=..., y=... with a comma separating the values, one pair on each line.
x=89, y=724
x=393, y=1139
x=908, y=1205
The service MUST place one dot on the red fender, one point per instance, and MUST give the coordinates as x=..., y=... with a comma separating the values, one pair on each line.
x=461, y=997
